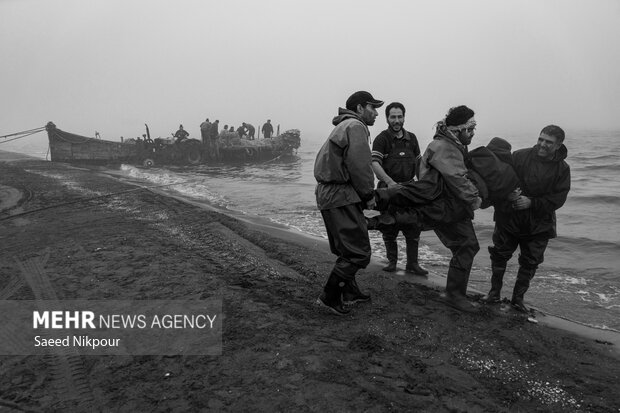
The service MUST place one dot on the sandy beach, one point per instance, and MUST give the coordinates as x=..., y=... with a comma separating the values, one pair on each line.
x=95, y=237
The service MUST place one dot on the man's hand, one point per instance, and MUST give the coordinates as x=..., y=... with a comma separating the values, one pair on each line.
x=394, y=185
x=514, y=195
x=522, y=202
x=371, y=203
x=476, y=203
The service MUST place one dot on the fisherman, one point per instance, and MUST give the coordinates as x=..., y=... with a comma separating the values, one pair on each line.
x=205, y=130
x=241, y=130
x=181, y=134
x=394, y=155
x=267, y=129
x=344, y=188
x=529, y=221
x=446, y=154
x=214, y=139
x=251, y=131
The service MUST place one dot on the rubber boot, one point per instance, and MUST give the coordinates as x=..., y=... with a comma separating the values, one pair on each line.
x=497, y=276
x=521, y=286
x=331, y=298
x=391, y=251
x=412, y=260
x=456, y=285
x=351, y=293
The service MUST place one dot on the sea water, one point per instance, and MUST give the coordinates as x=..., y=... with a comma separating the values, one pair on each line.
x=579, y=279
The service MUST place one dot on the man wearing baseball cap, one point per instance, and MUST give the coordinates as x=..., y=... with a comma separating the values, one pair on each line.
x=345, y=183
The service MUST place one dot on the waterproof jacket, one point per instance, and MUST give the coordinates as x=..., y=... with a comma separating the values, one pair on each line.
x=342, y=166
x=447, y=155
x=546, y=182
x=490, y=167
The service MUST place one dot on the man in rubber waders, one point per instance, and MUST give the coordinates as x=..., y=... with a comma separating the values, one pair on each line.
x=345, y=184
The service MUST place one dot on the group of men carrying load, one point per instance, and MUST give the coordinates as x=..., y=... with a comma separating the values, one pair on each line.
x=438, y=190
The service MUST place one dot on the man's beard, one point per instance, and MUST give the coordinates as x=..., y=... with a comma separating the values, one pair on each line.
x=400, y=127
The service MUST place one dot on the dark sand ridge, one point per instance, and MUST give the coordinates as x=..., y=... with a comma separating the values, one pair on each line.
x=405, y=351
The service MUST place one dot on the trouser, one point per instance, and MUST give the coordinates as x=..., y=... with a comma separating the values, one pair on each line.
x=348, y=239
x=532, y=248
x=412, y=238
x=460, y=238
x=532, y=251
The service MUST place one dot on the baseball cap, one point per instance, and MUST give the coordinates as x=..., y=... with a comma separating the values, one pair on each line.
x=362, y=98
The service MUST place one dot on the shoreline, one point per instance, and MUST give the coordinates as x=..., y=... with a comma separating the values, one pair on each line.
x=434, y=280
x=9, y=197
x=404, y=350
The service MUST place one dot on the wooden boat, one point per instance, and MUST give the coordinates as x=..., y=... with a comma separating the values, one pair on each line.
x=72, y=148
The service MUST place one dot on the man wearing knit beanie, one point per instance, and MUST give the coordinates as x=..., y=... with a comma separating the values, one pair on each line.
x=446, y=154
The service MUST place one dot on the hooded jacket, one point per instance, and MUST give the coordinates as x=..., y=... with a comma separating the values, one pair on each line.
x=342, y=166
x=546, y=182
x=492, y=172
x=447, y=155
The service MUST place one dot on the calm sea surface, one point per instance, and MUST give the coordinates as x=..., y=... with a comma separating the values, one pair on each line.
x=579, y=279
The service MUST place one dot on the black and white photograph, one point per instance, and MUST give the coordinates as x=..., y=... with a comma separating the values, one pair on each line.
x=310, y=206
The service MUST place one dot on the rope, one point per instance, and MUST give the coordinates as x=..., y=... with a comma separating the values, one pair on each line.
x=22, y=132
x=19, y=137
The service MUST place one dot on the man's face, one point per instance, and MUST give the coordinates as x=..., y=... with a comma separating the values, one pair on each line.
x=467, y=134
x=547, y=145
x=368, y=114
x=396, y=119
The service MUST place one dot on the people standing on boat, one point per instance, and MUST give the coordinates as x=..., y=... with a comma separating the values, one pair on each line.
x=214, y=139
x=529, y=221
x=446, y=155
x=345, y=184
x=181, y=134
x=205, y=131
x=267, y=129
x=251, y=131
x=241, y=130
x=394, y=158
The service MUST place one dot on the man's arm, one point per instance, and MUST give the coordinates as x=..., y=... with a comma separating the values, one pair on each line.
x=549, y=202
x=449, y=162
x=379, y=149
x=357, y=161
x=382, y=175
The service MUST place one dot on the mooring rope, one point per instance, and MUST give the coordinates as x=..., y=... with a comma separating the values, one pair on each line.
x=23, y=134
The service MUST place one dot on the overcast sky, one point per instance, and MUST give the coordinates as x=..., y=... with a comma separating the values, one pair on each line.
x=111, y=66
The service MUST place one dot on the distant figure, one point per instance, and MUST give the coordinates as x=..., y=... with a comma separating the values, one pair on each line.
x=205, y=131
x=267, y=129
x=241, y=130
x=231, y=129
x=251, y=131
x=214, y=139
x=181, y=134
x=122, y=139
x=225, y=130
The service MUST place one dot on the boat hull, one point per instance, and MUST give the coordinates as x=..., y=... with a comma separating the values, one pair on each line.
x=71, y=148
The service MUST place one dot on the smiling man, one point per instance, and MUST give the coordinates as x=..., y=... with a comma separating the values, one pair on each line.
x=394, y=155
x=529, y=221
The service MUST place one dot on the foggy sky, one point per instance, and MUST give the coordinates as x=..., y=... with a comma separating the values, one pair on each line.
x=111, y=66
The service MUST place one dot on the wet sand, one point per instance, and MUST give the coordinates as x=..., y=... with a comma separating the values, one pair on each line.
x=100, y=238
